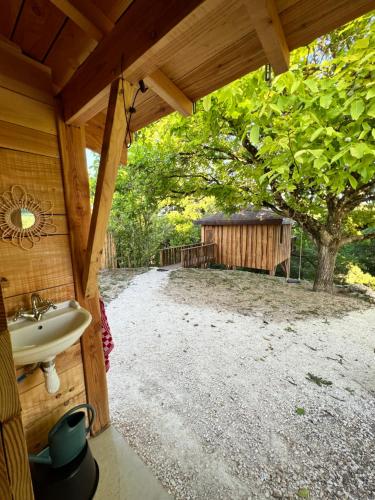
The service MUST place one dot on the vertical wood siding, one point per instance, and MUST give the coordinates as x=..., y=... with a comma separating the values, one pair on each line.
x=255, y=246
x=29, y=156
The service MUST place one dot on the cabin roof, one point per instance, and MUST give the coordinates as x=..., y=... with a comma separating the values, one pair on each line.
x=244, y=217
x=197, y=46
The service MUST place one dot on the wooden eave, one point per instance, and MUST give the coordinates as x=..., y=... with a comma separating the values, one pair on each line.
x=220, y=49
x=205, y=45
x=242, y=222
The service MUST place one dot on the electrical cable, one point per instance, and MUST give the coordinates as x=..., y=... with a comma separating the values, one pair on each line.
x=131, y=111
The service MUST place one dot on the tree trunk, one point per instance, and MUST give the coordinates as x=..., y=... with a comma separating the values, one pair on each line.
x=326, y=265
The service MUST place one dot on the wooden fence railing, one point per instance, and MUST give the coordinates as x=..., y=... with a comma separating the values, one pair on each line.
x=198, y=256
x=172, y=255
x=109, y=256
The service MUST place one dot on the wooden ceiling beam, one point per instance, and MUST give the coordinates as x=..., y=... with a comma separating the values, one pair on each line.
x=87, y=16
x=118, y=8
x=266, y=21
x=131, y=38
x=169, y=92
x=113, y=142
x=6, y=43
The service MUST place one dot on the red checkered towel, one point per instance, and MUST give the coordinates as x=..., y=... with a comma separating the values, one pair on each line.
x=107, y=339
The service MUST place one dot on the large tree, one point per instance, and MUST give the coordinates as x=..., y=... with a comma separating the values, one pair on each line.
x=301, y=144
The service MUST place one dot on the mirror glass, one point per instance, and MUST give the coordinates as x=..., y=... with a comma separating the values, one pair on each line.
x=22, y=218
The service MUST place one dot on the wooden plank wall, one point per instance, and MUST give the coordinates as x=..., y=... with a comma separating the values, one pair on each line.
x=109, y=255
x=29, y=156
x=254, y=246
x=15, y=480
x=283, y=246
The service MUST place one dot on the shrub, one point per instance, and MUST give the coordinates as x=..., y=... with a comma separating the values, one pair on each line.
x=355, y=275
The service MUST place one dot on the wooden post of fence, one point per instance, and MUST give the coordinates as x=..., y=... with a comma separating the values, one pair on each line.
x=109, y=256
x=161, y=253
x=174, y=255
x=198, y=255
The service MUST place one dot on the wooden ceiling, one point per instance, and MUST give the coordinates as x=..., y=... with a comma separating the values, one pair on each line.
x=205, y=45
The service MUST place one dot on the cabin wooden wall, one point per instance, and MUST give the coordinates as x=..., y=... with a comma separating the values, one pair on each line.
x=29, y=156
x=257, y=246
x=283, y=243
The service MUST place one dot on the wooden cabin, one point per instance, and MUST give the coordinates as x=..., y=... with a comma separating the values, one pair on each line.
x=256, y=239
x=69, y=79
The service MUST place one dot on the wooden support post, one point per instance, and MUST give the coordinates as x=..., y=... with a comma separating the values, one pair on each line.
x=272, y=271
x=114, y=136
x=15, y=479
x=77, y=196
x=5, y=491
x=17, y=461
x=286, y=267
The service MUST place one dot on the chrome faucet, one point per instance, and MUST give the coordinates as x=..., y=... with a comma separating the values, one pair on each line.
x=38, y=308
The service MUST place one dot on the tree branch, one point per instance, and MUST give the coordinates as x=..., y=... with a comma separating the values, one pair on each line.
x=311, y=225
x=357, y=237
x=351, y=198
x=193, y=176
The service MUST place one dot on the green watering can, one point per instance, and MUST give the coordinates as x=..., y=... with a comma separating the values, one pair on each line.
x=67, y=438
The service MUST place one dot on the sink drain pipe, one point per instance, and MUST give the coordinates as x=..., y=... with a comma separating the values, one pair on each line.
x=51, y=378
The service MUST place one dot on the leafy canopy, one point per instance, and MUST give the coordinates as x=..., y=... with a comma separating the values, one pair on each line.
x=303, y=143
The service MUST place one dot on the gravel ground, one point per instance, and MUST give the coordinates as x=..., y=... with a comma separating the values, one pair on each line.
x=260, y=295
x=223, y=405
x=114, y=281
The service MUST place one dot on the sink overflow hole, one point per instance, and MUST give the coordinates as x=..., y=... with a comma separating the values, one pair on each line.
x=40, y=327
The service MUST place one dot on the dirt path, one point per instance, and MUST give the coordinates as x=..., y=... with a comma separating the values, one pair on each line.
x=219, y=404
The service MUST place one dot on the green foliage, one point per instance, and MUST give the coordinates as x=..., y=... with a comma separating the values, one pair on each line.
x=309, y=256
x=298, y=143
x=306, y=137
x=357, y=276
x=142, y=218
x=181, y=218
x=360, y=253
x=303, y=493
x=300, y=411
x=302, y=144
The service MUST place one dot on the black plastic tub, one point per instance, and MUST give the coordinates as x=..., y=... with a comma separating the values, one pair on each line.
x=77, y=480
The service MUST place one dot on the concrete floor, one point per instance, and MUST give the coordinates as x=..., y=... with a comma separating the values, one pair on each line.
x=123, y=476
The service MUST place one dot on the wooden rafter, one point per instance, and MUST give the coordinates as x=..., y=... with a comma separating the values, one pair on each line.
x=118, y=8
x=267, y=24
x=87, y=16
x=169, y=92
x=113, y=141
x=131, y=38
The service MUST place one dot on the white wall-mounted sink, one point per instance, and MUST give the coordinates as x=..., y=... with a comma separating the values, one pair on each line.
x=41, y=341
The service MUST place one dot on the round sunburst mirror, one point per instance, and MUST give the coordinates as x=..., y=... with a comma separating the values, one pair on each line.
x=23, y=218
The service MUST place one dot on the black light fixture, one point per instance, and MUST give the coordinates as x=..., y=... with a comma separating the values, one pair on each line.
x=267, y=73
